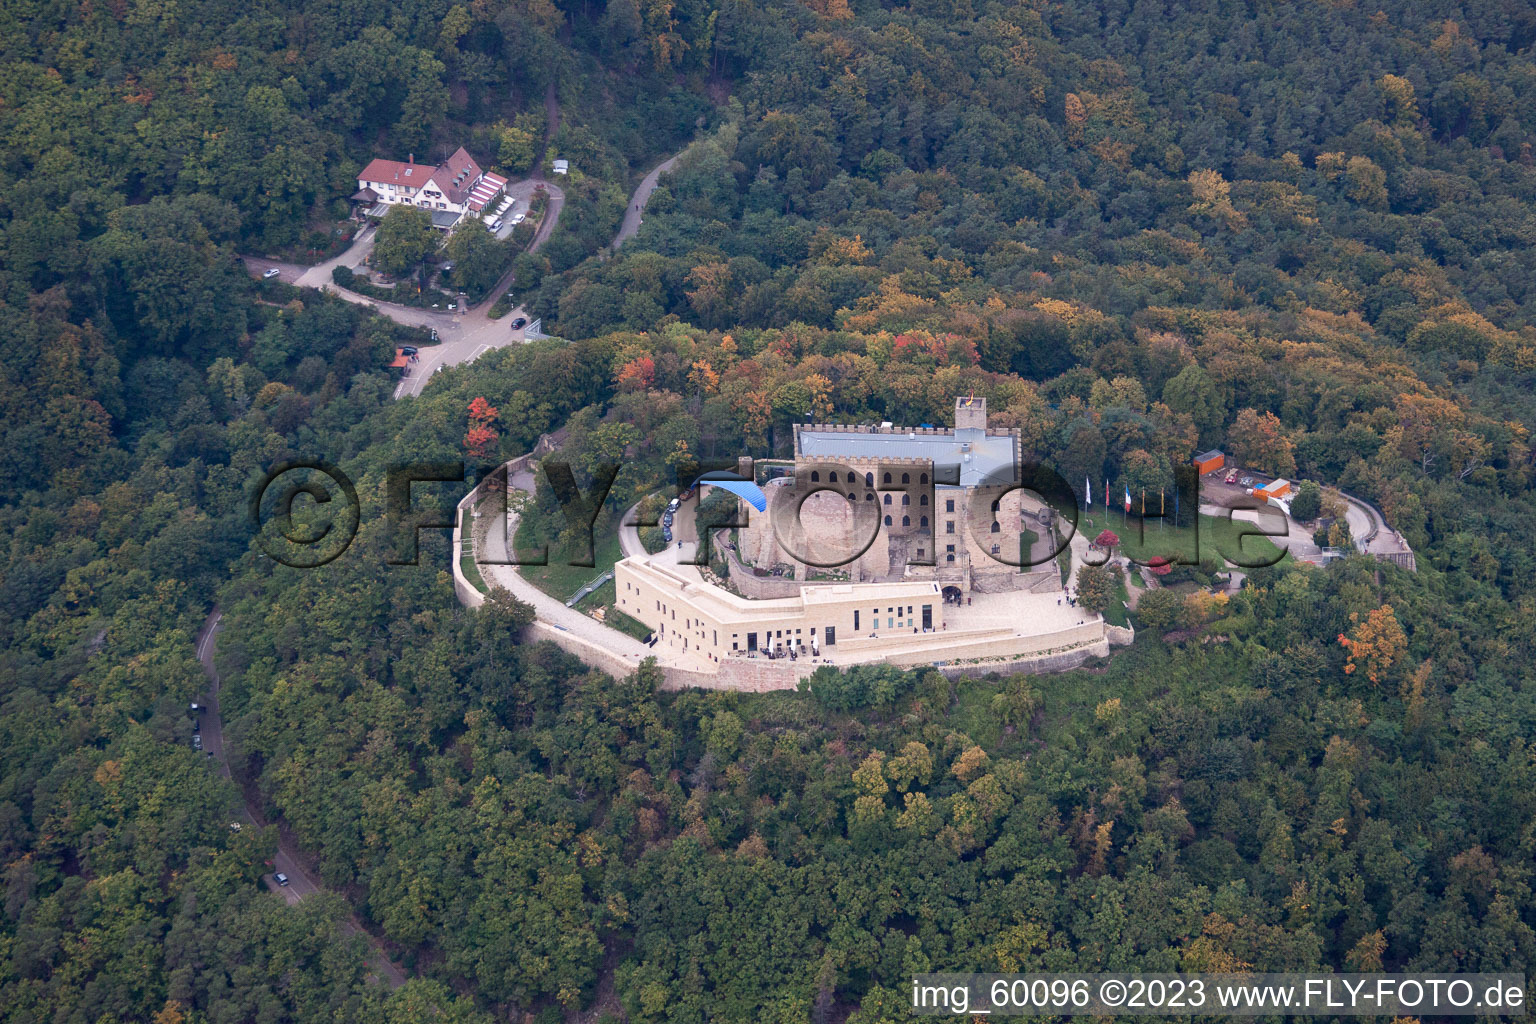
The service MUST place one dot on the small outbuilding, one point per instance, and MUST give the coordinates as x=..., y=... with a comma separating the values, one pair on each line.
x=1274, y=489
x=1210, y=462
x=562, y=167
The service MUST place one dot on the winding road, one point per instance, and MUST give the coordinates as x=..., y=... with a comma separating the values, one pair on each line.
x=301, y=884
x=636, y=207
x=468, y=332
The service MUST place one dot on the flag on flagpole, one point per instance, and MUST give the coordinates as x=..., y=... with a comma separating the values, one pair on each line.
x=1088, y=492
x=1127, y=497
x=1162, y=503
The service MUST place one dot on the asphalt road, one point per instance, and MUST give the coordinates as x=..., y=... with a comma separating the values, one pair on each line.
x=466, y=333
x=300, y=883
x=636, y=207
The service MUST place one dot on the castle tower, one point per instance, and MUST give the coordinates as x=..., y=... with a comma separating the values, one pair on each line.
x=970, y=413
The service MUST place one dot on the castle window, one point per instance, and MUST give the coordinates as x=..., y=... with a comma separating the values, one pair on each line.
x=949, y=526
x=869, y=479
x=949, y=504
x=887, y=478
x=887, y=499
x=997, y=504
x=815, y=477
x=995, y=526
x=887, y=520
x=833, y=477
x=906, y=520
x=869, y=497
x=923, y=479
x=906, y=499
x=923, y=522
x=923, y=500
x=906, y=478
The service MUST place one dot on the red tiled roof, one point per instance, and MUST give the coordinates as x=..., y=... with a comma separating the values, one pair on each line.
x=457, y=175
x=396, y=172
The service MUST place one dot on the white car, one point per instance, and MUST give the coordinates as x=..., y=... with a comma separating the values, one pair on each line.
x=270, y=273
x=280, y=878
x=495, y=225
x=518, y=218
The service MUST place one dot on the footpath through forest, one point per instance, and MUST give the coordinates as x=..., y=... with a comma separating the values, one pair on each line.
x=301, y=881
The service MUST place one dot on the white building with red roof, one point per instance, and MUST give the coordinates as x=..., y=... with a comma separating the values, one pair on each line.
x=449, y=190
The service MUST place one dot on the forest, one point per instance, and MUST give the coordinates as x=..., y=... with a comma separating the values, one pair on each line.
x=1301, y=233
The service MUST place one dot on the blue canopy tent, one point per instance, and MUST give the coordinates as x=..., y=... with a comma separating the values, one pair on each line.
x=741, y=488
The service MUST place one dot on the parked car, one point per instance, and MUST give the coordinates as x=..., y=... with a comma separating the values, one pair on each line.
x=519, y=323
x=518, y=218
x=1232, y=477
x=1246, y=481
x=197, y=742
x=280, y=878
x=408, y=350
x=495, y=225
x=270, y=273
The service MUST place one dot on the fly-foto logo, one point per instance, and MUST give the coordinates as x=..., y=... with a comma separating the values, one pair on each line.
x=306, y=513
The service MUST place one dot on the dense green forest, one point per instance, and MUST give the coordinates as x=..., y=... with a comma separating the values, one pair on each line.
x=1300, y=232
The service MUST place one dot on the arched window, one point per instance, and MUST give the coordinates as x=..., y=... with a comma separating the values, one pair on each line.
x=815, y=477
x=996, y=527
x=852, y=496
x=923, y=479
x=906, y=520
x=906, y=478
x=869, y=495
x=869, y=479
x=922, y=499
x=887, y=478
x=832, y=476
x=998, y=504
x=887, y=499
x=906, y=499
x=923, y=522
x=887, y=520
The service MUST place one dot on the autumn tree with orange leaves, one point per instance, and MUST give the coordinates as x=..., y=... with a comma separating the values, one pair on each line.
x=482, y=435
x=1375, y=644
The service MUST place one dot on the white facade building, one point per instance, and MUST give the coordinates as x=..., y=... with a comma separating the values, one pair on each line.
x=449, y=190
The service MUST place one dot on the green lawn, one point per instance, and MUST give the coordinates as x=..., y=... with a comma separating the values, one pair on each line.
x=560, y=580
x=1219, y=539
x=1115, y=614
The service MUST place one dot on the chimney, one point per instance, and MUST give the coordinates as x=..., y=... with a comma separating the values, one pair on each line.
x=410, y=158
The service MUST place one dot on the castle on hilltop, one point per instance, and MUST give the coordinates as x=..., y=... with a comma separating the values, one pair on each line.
x=907, y=545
